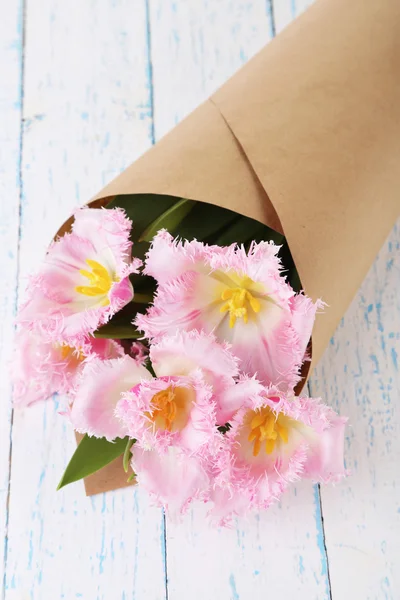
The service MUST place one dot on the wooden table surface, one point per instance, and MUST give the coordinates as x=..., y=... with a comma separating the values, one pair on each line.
x=87, y=86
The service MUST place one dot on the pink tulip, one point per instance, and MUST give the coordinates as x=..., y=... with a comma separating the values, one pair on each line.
x=84, y=279
x=274, y=440
x=99, y=391
x=242, y=298
x=40, y=368
x=173, y=417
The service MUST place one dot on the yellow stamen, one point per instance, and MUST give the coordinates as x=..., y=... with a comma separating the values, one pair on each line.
x=269, y=446
x=100, y=280
x=72, y=355
x=266, y=426
x=238, y=302
x=256, y=447
x=283, y=432
x=166, y=405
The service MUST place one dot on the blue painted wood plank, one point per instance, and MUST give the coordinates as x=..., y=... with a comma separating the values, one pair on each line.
x=70, y=149
x=360, y=376
x=87, y=113
x=11, y=61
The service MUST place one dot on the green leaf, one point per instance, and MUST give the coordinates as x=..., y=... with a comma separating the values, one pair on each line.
x=127, y=454
x=245, y=230
x=149, y=367
x=91, y=455
x=169, y=220
x=240, y=232
x=142, y=298
x=143, y=209
x=204, y=222
x=120, y=325
x=289, y=267
x=118, y=332
x=294, y=280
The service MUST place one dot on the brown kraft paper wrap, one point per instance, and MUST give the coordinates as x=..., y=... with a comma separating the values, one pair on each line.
x=305, y=138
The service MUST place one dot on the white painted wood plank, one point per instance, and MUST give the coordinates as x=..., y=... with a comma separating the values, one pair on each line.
x=285, y=11
x=87, y=113
x=361, y=519
x=277, y=553
x=195, y=47
x=64, y=545
x=10, y=122
x=360, y=374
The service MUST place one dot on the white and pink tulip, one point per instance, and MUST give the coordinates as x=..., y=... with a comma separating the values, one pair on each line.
x=273, y=441
x=84, y=279
x=242, y=298
x=41, y=368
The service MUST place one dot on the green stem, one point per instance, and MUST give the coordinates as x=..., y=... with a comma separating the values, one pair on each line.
x=127, y=454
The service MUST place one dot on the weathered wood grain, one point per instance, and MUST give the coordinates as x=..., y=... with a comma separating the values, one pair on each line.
x=279, y=552
x=360, y=375
x=87, y=112
x=94, y=78
x=196, y=46
x=11, y=53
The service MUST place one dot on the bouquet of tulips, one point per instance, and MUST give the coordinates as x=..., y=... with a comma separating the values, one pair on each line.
x=177, y=331
x=177, y=327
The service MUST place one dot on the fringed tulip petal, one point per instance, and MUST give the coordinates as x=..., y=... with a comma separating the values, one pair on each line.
x=40, y=368
x=240, y=297
x=274, y=440
x=303, y=311
x=231, y=399
x=168, y=259
x=100, y=389
x=172, y=478
x=171, y=411
x=84, y=279
x=184, y=352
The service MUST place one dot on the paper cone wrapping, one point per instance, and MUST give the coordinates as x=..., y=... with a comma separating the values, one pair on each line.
x=306, y=139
